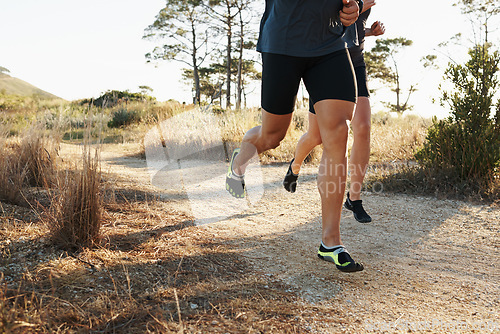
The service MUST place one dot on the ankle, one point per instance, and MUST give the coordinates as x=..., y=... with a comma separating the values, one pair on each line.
x=330, y=242
x=296, y=167
x=354, y=196
x=236, y=169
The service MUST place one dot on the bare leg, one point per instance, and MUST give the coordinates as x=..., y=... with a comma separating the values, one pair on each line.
x=261, y=138
x=332, y=116
x=306, y=143
x=360, y=152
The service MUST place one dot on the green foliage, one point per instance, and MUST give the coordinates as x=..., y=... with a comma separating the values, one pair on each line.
x=488, y=7
x=181, y=27
x=112, y=98
x=382, y=64
x=145, y=89
x=212, y=78
x=381, y=58
x=467, y=144
x=124, y=117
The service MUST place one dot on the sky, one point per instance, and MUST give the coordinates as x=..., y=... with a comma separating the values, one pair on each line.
x=81, y=49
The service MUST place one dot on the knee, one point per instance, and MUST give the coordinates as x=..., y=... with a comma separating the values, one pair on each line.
x=361, y=129
x=336, y=135
x=341, y=131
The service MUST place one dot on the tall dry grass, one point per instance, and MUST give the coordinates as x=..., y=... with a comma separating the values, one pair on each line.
x=396, y=138
x=236, y=123
x=31, y=174
x=37, y=156
x=75, y=215
x=393, y=138
x=26, y=161
x=11, y=173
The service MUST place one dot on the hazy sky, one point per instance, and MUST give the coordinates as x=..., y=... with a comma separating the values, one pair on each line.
x=81, y=49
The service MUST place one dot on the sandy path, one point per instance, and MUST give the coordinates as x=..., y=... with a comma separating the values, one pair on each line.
x=430, y=264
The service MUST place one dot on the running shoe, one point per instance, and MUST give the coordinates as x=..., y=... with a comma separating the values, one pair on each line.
x=290, y=181
x=357, y=208
x=235, y=184
x=342, y=259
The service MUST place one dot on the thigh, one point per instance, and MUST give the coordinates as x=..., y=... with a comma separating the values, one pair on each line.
x=331, y=77
x=281, y=77
x=274, y=126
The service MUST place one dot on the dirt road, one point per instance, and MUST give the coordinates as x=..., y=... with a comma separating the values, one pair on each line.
x=431, y=265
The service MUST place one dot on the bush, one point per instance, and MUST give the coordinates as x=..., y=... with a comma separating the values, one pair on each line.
x=467, y=144
x=115, y=97
x=123, y=117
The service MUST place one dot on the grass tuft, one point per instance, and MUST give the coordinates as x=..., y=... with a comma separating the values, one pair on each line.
x=26, y=161
x=75, y=218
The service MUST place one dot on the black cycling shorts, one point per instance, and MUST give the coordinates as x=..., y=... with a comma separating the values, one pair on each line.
x=361, y=81
x=360, y=72
x=325, y=77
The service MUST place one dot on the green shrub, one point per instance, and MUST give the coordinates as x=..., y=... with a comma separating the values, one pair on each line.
x=467, y=144
x=112, y=98
x=123, y=117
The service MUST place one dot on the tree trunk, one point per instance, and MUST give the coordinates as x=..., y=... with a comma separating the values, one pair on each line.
x=197, y=90
x=196, y=74
x=240, y=67
x=228, y=64
x=398, y=90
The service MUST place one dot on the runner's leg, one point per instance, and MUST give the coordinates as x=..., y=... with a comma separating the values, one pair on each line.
x=360, y=151
x=261, y=138
x=306, y=143
x=332, y=116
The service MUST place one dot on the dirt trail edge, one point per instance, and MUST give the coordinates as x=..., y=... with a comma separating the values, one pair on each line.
x=430, y=265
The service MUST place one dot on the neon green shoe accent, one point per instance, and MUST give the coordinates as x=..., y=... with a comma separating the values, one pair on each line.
x=230, y=167
x=333, y=257
x=235, y=185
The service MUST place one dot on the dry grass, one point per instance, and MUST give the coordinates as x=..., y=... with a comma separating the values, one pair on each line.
x=155, y=273
x=26, y=161
x=31, y=174
x=152, y=271
x=393, y=138
x=410, y=178
x=396, y=138
x=75, y=215
x=37, y=155
x=11, y=173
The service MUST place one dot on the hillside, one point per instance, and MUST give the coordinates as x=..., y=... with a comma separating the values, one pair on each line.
x=15, y=86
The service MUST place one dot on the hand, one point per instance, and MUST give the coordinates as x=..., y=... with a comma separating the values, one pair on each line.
x=377, y=28
x=367, y=4
x=349, y=13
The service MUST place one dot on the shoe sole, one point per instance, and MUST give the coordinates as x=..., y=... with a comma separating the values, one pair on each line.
x=351, y=268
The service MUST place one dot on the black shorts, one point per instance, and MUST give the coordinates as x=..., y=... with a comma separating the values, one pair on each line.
x=325, y=77
x=361, y=81
x=360, y=72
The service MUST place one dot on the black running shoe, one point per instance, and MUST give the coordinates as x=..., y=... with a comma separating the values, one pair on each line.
x=342, y=259
x=235, y=184
x=290, y=181
x=357, y=208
